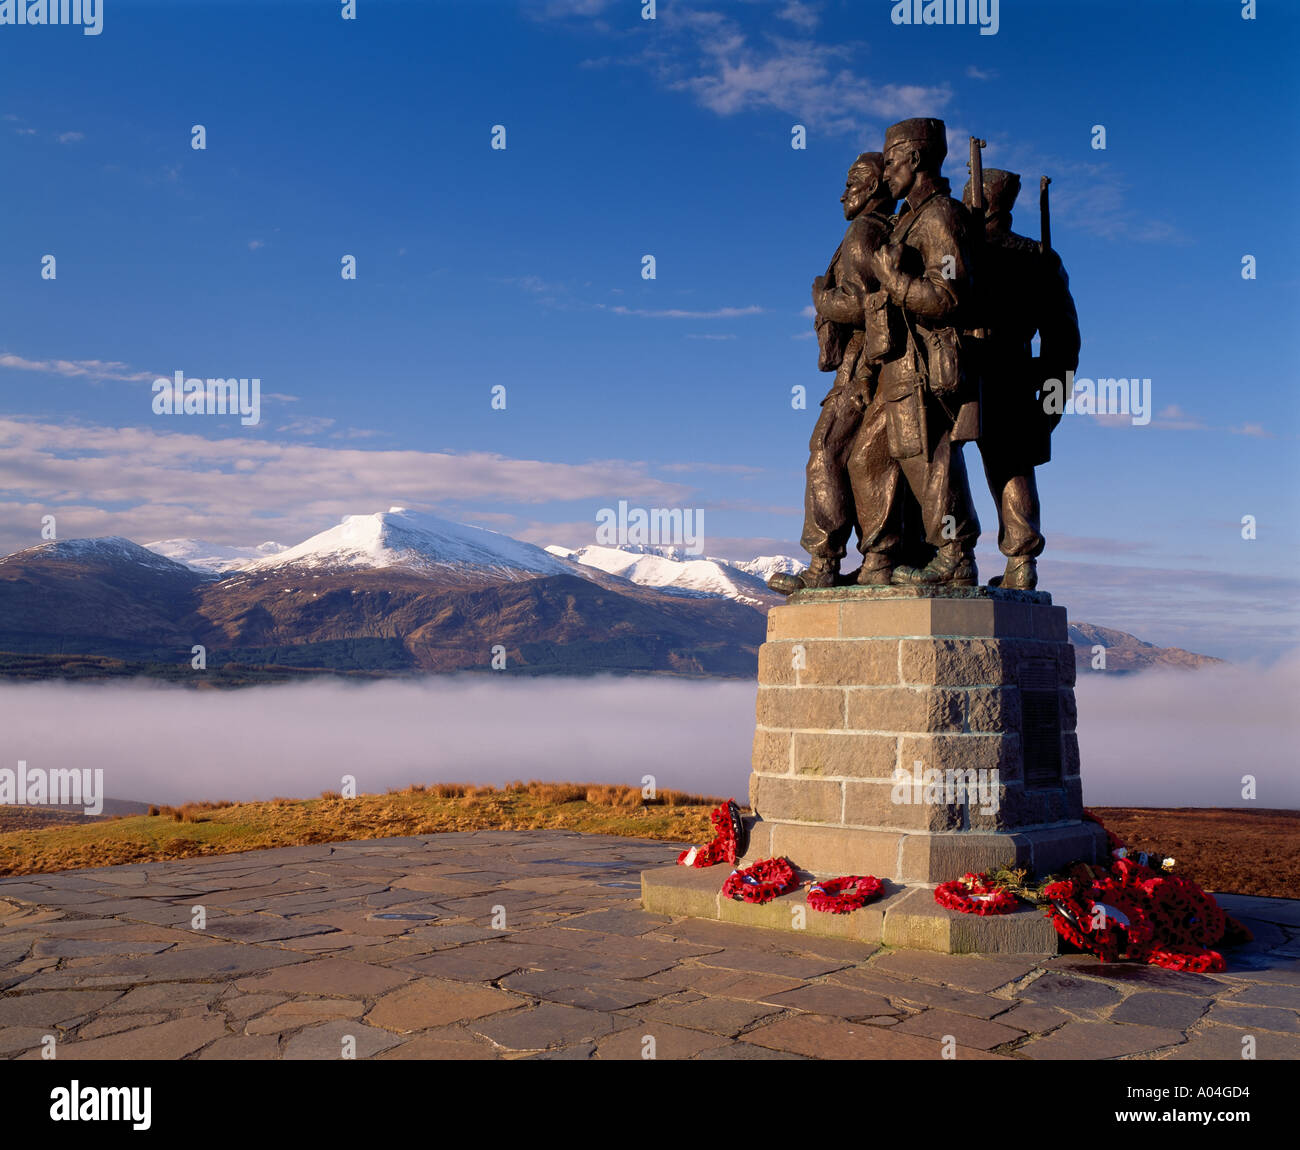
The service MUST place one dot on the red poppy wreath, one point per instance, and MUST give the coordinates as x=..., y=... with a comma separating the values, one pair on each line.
x=762, y=882
x=973, y=894
x=844, y=894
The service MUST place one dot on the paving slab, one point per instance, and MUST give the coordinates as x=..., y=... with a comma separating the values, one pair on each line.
x=1099, y=1040
x=392, y=949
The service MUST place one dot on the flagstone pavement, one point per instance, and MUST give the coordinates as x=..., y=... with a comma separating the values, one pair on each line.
x=532, y=944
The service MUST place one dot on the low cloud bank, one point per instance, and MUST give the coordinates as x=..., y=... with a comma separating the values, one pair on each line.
x=1156, y=739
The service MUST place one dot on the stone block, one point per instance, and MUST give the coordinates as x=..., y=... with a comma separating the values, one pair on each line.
x=992, y=709
x=801, y=708
x=1020, y=806
x=942, y=858
x=850, y=663
x=1053, y=848
x=884, y=617
x=1069, y=753
x=874, y=804
x=776, y=664
x=796, y=800
x=1050, y=624
x=953, y=662
x=760, y=840
x=903, y=709
x=681, y=890
x=833, y=754
x=970, y=752
x=772, y=751
x=1069, y=710
x=804, y=621
x=832, y=851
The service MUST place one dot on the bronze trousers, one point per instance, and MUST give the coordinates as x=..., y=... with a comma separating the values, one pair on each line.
x=1015, y=493
x=829, y=504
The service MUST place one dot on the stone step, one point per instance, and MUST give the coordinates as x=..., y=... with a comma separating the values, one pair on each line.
x=905, y=916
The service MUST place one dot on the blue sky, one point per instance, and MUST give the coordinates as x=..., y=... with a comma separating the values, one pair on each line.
x=522, y=267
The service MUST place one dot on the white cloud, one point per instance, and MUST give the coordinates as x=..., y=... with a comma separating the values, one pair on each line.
x=682, y=313
x=70, y=137
x=78, y=368
x=164, y=483
x=709, y=56
x=805, y=16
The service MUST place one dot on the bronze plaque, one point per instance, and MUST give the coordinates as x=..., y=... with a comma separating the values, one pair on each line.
x=1040, y=725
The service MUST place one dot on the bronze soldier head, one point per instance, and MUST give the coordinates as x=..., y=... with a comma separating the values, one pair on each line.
x=913, y=148
x=865, y=187
x=1000, y=191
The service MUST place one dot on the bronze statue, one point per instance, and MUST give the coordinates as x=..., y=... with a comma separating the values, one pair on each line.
x=836, y=500
x=928, y=319
x=931, y=400
x=1022, y=289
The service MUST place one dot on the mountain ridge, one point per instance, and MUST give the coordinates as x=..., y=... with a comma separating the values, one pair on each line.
x=400, y=592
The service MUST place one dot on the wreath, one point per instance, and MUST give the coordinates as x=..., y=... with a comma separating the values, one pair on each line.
x=1104, y=917
x=974, y=894
x=1135, y=911
x=762, y=882
x=845, y=894
x=729, y=839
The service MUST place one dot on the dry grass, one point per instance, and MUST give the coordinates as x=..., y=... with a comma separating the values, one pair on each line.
x=1243, y=851
x=189, y=812
x=209, y=828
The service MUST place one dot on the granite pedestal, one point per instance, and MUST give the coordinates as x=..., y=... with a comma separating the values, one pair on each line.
x=913, y=734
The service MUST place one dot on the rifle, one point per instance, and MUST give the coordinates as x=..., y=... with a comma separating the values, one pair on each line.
x=1044, y=216
x=977, y=208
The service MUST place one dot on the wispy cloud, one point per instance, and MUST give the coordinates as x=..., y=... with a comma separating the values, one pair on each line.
x=306, y=425
x=683, y=313
x=709, y=56
x=77, y=368
x=153, y=482
x=805, y=16
x=70, y=137
x=1091, y=195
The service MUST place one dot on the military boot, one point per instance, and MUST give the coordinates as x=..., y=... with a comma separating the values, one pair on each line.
x=951, y=566
x=876, y=571
x=1020, y=575
x=819, y=573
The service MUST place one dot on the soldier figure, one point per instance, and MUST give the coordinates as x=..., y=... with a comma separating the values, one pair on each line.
x=930, y=402
x=1022, y=289
x=833, y=500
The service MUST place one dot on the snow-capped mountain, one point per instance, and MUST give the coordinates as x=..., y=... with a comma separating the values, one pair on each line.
x=425, y=543
x=399, y=592
x=220, y=557
x=765, y=566
x=671, y=570
x=110, y=549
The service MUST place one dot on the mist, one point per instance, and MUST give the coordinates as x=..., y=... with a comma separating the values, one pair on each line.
x=1159, y=738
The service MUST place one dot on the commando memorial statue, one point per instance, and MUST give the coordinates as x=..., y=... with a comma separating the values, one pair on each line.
x=927, y=317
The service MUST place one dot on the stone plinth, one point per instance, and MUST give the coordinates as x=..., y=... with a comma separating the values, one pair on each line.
x=916, y=734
